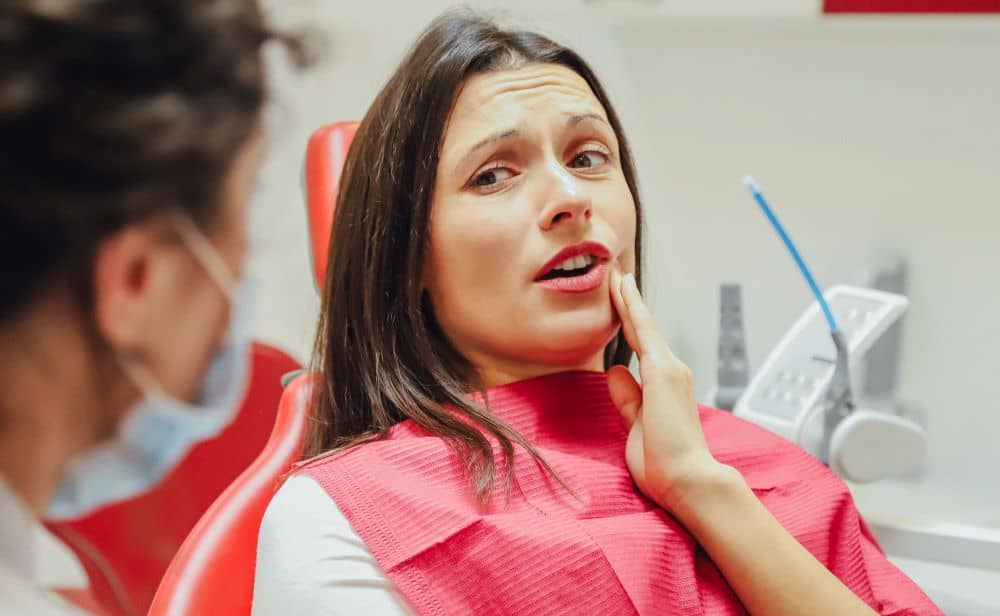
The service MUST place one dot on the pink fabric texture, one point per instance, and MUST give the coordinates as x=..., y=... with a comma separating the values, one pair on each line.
x=606, y=550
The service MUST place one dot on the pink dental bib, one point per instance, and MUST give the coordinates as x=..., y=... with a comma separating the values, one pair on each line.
x=606, y=550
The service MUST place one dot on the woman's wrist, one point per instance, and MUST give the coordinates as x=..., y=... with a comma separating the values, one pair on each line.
x=704, y=488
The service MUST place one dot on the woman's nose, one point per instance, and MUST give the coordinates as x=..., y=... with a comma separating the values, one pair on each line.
x=567, y=201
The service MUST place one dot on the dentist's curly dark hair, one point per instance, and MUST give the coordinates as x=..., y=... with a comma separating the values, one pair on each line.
x=112, y=111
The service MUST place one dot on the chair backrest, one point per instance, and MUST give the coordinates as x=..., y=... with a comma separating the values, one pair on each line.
x=325, y=156
x=213, y=570
x=125, y=547
x=223, y=545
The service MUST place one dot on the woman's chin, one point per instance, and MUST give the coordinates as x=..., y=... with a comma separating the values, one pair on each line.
x=575, y=344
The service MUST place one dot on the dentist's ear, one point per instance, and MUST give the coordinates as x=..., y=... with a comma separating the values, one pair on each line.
x=130, y=280
x=121, y=281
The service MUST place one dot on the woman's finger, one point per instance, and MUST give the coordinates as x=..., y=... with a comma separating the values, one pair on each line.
x=619, y=305
x=646, y=335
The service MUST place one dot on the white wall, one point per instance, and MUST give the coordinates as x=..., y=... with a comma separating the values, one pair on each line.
x=872, y=137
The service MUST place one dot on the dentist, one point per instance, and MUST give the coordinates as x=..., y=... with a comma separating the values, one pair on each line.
x=131, y=137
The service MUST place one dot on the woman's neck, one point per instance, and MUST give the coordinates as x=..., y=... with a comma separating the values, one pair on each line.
x=498, y=372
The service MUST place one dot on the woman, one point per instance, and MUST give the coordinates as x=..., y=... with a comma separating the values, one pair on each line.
x=131, y=136
x=469, y=454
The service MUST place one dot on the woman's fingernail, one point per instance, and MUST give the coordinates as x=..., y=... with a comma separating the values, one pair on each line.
x=630, y=281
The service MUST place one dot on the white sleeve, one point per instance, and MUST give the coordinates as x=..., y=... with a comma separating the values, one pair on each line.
x=310, y=560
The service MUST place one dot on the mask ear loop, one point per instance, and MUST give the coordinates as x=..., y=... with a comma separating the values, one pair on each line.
x=141, y=376
x=206, y=254
x=196, y=241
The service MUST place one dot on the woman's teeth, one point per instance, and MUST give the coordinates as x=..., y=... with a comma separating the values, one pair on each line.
x=575, y=263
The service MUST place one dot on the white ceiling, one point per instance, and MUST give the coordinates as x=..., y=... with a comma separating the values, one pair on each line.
x=393, y=13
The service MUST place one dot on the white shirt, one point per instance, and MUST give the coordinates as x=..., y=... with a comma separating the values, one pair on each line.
x=20, y=592
x=310, y=560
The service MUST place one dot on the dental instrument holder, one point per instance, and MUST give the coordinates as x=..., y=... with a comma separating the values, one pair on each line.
x=857, y=444
x=803, y=392
x=838, y=401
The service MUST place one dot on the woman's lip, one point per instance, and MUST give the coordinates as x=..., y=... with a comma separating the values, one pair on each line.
x=596, y=249
x=577, y=284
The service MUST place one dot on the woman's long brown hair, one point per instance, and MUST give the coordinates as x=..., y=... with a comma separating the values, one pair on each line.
x=380, y=355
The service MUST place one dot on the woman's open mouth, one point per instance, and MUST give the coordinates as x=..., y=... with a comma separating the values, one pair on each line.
x=576, y=269
x=571, y=267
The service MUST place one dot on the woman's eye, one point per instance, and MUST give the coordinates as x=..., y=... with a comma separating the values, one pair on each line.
x=491, y=177
x=589, y=159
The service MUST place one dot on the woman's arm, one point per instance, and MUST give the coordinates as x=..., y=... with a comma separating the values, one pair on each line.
x=670, y=461
x=310, y=560
x=768, y=569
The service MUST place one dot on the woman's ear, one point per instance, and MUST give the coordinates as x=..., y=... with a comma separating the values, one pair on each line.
x=427, y=272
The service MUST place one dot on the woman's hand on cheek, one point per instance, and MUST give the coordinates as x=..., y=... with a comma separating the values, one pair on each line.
x=666, y=450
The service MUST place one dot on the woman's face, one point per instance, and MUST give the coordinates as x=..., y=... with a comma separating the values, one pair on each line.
x=530, y=211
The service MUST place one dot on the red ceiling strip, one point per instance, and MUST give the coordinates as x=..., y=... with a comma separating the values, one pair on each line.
x=911, y=6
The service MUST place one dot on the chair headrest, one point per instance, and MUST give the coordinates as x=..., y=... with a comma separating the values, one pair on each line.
x=325, y=156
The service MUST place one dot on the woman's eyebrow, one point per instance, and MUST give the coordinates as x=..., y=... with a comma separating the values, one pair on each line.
x=576, y=118
x=572, y=120
x=498, y=136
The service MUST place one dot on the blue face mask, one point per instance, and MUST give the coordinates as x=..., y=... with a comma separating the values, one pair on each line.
x=160, y=430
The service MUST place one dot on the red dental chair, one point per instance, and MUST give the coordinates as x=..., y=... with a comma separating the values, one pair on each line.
x=325, y=156
x=125, y=548
x=214, y=568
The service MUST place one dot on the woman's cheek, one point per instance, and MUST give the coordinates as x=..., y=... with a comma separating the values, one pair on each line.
x=475, y=261
x=619, y=215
